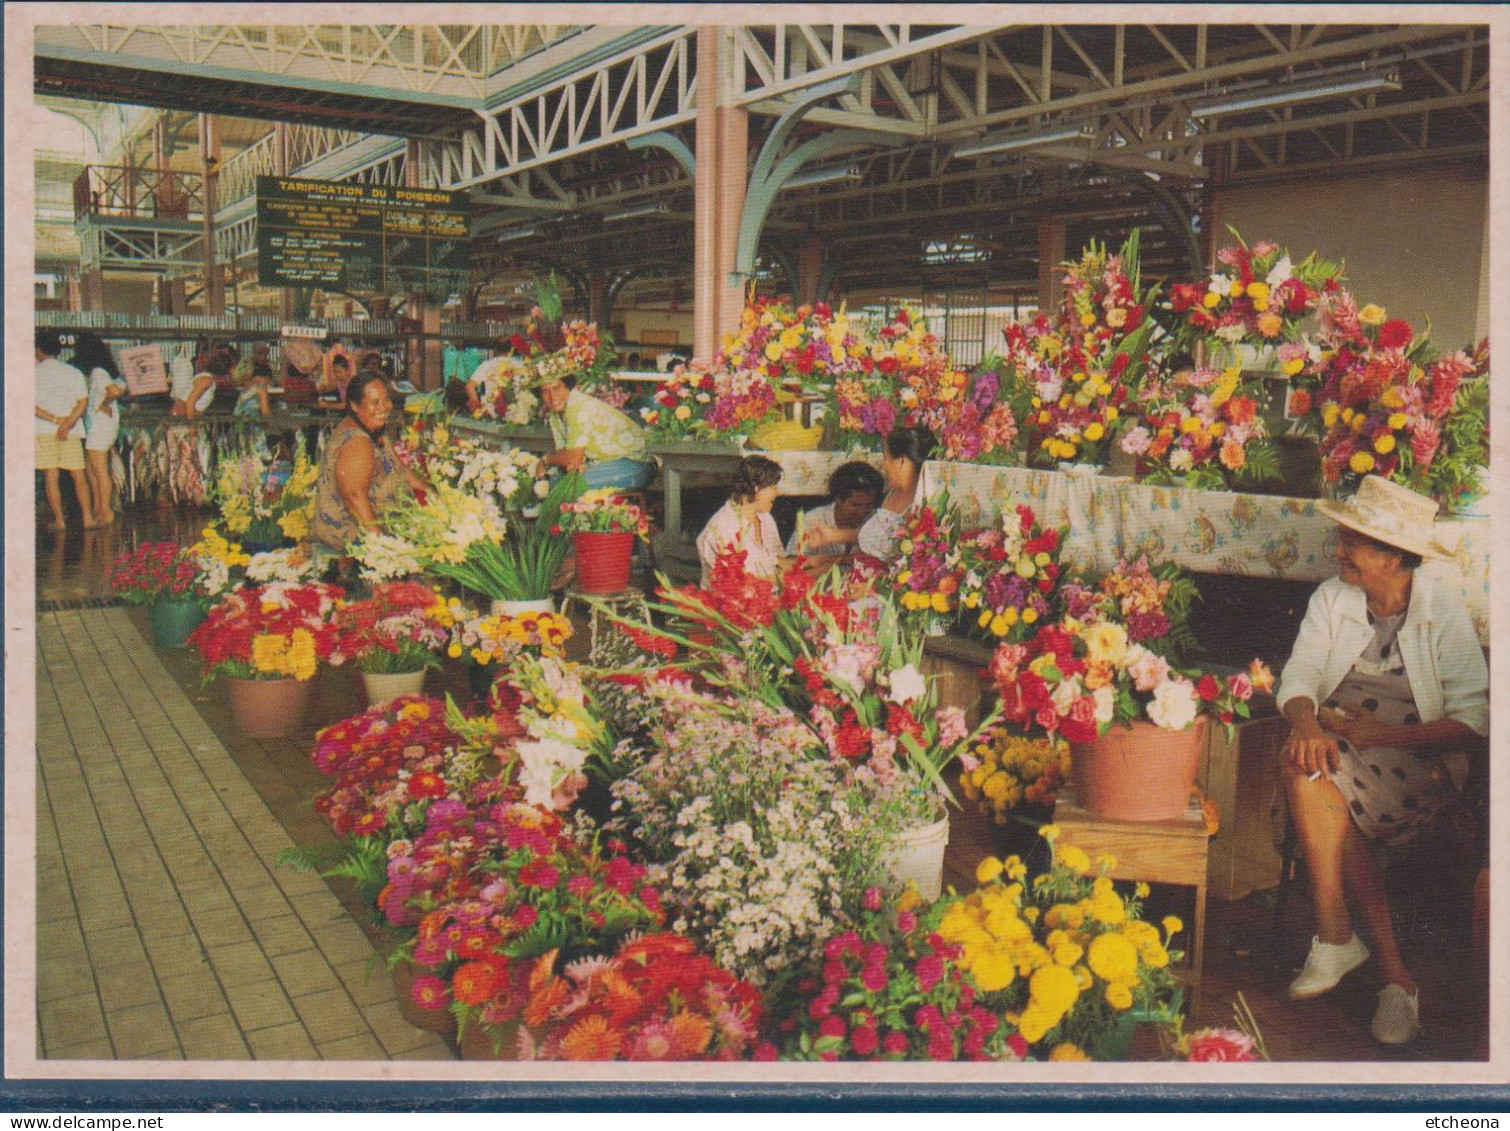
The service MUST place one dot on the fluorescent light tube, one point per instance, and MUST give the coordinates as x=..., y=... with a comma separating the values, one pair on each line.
x=518, y=233
x=1287, y=93
x=640, y=210
x=824, y=176
x=1008, y=142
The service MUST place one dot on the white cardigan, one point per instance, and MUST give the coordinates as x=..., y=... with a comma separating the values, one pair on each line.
x=1443, y=661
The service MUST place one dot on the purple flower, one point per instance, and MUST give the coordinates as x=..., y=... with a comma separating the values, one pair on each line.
x=445, y=812
x=983, y=396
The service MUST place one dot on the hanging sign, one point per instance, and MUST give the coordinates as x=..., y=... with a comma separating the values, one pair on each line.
x=144, y=369
x=355, y=238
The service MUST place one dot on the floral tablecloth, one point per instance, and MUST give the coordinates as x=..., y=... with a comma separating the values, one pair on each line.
x=1203, y=531
x=806, y=473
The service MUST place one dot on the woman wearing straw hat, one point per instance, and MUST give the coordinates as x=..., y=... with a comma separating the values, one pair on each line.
x=1386, y=677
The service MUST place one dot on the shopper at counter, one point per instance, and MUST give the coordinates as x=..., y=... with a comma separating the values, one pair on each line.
x=360, y=474
x=593, y=437
x=902, y=459
x=102, y=420
x=192, y=395
x=854, y=493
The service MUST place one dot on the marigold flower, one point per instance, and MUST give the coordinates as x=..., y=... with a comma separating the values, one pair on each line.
x=1066, y=1050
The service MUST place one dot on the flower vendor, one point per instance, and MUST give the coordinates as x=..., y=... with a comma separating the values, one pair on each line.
x=1386, y=677
x=854, y=492
x=360, y=473
x=744, y=523
x=594, y=438
x=902, y=459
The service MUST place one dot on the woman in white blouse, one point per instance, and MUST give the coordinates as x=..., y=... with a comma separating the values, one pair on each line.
x=745, y=522
x=902, y=459
x=102, y=422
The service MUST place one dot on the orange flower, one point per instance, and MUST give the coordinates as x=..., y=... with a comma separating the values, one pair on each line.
x=690, y=1035
x=591, y=1039
x=1233, y=455
x=475, y=982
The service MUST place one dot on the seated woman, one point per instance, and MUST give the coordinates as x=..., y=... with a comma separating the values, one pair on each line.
x=745, y=523
x=595, y=438
x=1386, y=677
x=360, y=475
x=902, y=458
x=251, y=399
x=854, y=492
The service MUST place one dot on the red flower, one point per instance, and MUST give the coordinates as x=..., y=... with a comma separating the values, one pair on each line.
x=1396, y=334
x=427, y=784
x=1208, y=688
x=538, y=874
x=864, y=1040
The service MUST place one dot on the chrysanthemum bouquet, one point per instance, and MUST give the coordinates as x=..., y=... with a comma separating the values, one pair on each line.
x=1011, y=573
x=496, y=638
x=290, y=566
x=1065, y=957
x=603, y=511
x=166, y=571
x=1203, y=427
x=275, y=631
x=261, y=501
x=891, y=989
x=1259, y=299
x=504, y=477
x=402, y=627
x=1103, y=664
x=1004, y=771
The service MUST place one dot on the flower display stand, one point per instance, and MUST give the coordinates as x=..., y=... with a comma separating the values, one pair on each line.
x=172, y=621
x=627, y=603
x=1156, y=852
x=383, y=686
x=1138, y=773
x=269, y=708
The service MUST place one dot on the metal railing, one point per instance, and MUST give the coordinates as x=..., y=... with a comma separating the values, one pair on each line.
x=117, y=190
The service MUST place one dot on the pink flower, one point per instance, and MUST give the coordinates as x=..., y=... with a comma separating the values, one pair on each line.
x=1219, y=1045
x=430, y=992
x=833, y=1026
x=952, y=726
x=894, y=1043
x=1148, y=671
x=579, y=886
x=765, y=1051
x=872, y=899
x=864, y=1040
x=874, y=978
x=1240, y=686
x=930, y=969
x=907, y=922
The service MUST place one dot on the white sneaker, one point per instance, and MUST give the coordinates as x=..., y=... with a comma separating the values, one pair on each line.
x=1326, y=965
x=1397, y=1021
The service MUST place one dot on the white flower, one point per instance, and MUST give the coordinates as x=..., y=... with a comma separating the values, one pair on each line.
x=544, y=765
x=1181, y=460
x=907, y=684
x=1174, y=704
x=1279, y=272
x=1221, y=284
x=1106, y=703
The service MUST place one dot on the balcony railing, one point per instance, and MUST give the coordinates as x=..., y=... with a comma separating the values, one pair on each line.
x=115, y=190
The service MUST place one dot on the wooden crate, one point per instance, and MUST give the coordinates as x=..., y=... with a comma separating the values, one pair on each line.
x=1242, y=776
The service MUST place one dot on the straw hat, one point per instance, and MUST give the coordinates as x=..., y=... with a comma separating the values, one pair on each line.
x=1392, y=514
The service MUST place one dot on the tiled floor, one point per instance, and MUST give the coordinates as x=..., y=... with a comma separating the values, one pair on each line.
x=166, y=929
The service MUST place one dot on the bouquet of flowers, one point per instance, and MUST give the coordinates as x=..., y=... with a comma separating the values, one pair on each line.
x=262, y=502
x=290, y=566
x=463, y=537
x=890, y=988
x=602, y=511
x=792, y=349
x=1011, y=572
x=276, y=631
x=657, y=998
x=1005, y=770
x=1384, y=407
x=925, y=578
x=1062, y=958
x=761, y=848
x=496, y=638
x=401, y=628
x=676, y=410
x=223, y=562
x=1202, y=425
x=166, y=571
x=1259, y=300
x=504, y=477
x=979, y=427
x=1076, y=375
x=507, y=384
x=1100, y=666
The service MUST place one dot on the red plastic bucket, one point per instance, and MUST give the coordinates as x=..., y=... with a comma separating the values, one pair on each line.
x=603, y=561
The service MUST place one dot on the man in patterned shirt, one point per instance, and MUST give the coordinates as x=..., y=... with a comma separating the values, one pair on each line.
x=593, y=437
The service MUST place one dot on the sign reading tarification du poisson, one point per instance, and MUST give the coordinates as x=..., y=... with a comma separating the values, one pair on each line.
x=350, y=237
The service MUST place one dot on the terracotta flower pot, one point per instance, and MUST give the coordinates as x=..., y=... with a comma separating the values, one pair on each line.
x=490, y=1042
x=172, y=621
x=381, y=687
x=603, y=561
x=441, y=1021
x=1138, y=774
x=269, y=708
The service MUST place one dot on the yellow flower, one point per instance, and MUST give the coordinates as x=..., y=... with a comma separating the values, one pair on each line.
x=988, y=870
x=1361, y=463
x=1000, y=626
x=1371, y=315
x=1054, y=990
x=1118, y=996
x=1392, y=397
x=1384, y=444
x=1068, y=953
x=1106, y=642
x=1049, y=833
x=1269, y=324
x=1140, y=889
x=1258, y=291
x=1172, y=925
x=1074, y=859
x=1029, y=615
x=1087, y=319
x=1112, y=958
x=1064, y=1050
x=1292, y=367
x=940, y=602
x=1397, y=420
x=1210, y=299
x=909, y=897
x=1329, y=413
x=1094, y=431
x=992, y=971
